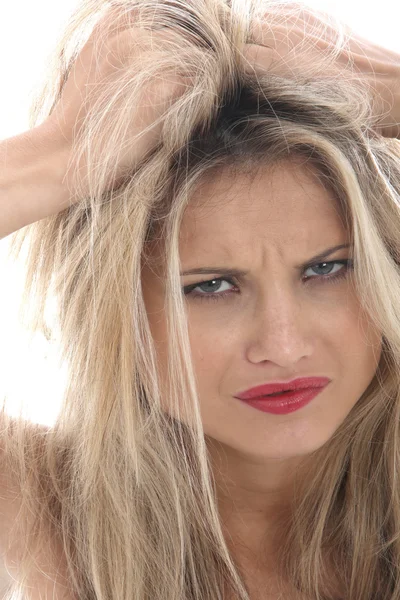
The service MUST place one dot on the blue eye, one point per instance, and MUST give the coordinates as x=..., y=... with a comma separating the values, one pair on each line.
x=211, y=286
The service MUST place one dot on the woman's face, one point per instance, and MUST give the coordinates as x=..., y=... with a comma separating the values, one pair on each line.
x=279, y=321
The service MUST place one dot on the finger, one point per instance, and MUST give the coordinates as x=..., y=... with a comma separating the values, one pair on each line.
x=115, y=21
x=257, y=58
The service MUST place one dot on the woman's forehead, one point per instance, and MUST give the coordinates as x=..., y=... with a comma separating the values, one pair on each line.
x=285, y=199
x=233, y=212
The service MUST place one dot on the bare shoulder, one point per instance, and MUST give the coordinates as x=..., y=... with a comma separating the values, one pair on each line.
x=50, y=577
x=10, y=492
x=10, y=496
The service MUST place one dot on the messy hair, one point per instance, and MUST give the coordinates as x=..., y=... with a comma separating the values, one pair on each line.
x=125, y=488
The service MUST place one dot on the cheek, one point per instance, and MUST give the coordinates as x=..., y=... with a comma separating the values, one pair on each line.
x=216, y=349
x=358, y=344
x=212, y=343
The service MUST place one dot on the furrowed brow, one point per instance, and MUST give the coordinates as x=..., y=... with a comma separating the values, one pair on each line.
x=240, y=273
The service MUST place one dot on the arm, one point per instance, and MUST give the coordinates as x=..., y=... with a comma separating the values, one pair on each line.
x=37, y=167
x=31, y=174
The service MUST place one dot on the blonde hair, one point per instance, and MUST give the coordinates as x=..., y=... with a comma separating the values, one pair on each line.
x=127, y=489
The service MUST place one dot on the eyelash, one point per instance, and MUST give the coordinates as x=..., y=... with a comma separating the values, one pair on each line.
x=188, y=290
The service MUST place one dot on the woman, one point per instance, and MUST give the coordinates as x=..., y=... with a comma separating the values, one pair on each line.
x=240, y=142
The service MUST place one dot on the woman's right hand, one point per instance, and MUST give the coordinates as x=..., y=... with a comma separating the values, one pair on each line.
x=98, y=64
x=294, y=40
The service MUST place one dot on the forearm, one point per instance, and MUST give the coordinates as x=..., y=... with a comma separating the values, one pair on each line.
x=31, y=175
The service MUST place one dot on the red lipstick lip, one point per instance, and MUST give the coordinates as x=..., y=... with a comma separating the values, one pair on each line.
x=281, y=386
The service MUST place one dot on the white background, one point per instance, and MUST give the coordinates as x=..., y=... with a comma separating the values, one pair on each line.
x=28, y=32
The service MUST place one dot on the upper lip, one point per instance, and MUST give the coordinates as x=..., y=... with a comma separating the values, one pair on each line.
x=280, y=386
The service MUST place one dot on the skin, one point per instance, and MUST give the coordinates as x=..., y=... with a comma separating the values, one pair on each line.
x=278, y=322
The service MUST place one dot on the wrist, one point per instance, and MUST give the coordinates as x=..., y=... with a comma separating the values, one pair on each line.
x=32, y=170
x=50, y=150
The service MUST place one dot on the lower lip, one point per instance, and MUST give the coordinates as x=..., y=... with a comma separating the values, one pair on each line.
x=285, y=403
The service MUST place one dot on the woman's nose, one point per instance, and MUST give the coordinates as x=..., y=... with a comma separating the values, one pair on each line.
x=279, y=329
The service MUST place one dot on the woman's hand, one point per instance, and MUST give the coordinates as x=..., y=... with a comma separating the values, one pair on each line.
x=292, y=42
x=275, y=46
x=99, y=64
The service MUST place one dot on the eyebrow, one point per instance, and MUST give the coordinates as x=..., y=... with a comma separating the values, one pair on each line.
x=241, y=273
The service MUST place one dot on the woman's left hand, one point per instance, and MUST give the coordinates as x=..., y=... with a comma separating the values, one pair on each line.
x=290, y=43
